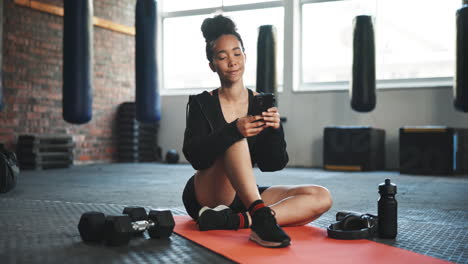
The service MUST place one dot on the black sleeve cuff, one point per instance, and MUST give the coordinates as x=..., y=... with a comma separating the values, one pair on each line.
x=233, y=132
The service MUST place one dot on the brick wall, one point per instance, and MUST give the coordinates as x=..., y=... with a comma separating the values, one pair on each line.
x=32, y=77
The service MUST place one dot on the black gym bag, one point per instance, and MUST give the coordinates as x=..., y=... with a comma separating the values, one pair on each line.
x=8, y=170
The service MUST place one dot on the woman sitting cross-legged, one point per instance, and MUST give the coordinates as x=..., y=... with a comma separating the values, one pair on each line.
x=223, y=140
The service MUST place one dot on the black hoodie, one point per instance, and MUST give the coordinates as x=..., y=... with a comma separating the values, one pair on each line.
x=208, y=135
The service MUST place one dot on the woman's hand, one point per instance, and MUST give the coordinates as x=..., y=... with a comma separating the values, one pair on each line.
x=248, y=127
x=272, y=118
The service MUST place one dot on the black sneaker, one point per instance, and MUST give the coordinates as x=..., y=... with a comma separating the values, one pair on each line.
x=220, y=217
x=265, y=230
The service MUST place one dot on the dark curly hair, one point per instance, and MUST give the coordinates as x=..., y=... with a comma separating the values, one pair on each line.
x=215, y=27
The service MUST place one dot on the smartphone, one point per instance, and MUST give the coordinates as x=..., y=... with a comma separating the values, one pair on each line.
x=262, y=102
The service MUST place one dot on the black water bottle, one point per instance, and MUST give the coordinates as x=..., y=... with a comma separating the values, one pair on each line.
x=387, y=210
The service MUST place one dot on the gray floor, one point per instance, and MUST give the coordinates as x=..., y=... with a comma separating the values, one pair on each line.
x=38, y=219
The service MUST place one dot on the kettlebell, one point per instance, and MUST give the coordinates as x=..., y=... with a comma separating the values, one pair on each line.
x=172, y=156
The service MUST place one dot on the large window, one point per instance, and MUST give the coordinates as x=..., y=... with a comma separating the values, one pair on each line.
x=415, y=40
x=184, y=60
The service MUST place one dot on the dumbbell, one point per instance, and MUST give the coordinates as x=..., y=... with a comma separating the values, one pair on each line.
x=117, y=230
x=159, y=224
x=137, y=214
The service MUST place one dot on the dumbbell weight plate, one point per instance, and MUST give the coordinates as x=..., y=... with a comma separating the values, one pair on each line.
x=118, y=230
x=163, y=224
x=136, y=213
x=91, y=226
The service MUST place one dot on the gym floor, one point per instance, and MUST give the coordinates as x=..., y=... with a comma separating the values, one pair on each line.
x=39, y=218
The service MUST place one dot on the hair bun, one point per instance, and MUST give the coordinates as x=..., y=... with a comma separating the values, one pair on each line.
x=214, y=27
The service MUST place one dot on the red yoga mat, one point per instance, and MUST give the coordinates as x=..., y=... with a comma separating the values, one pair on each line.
x=308, y=245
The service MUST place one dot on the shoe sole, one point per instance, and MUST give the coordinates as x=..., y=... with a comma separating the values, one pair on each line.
x=254, y=237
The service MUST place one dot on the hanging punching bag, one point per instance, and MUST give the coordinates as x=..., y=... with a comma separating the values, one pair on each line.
x=148, y=107
x=1, y=52
x=266, y=60
x=362, y=89
x=460, y=87
x=77, y=101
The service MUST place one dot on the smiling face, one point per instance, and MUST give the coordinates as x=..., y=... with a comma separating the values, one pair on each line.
x=228, y=59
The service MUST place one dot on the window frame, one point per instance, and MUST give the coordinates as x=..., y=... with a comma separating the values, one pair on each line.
x=292, y=69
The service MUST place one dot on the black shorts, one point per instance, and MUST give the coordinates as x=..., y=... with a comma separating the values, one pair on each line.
x=193, y=207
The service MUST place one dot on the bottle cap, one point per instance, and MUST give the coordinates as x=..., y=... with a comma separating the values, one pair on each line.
x=387, y=187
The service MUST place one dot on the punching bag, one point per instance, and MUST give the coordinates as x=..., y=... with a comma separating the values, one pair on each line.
x=1, y=53
x=77, y=101
x=266, y=60
x=148, y=107
x=460, y=87
x=362, y=89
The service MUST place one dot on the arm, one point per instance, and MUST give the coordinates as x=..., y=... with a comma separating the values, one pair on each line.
x=202, y=143
x=270, y=150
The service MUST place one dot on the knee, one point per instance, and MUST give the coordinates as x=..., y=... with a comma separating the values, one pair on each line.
x=238, y=149
x=325, y=197
x=240, y=144
x=322, y=200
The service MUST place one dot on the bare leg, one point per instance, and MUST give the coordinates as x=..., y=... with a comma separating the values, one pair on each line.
x=231, y=173
x=297, y=205
x=240, y=173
